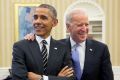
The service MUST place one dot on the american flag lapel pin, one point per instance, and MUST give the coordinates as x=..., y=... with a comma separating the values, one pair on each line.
x=55, y=48
x=91, y=49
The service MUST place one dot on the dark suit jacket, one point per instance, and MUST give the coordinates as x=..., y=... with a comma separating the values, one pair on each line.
x=27, y=58
x=97, y=64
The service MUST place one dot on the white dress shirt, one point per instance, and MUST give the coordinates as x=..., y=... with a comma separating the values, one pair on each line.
x=39, y=40
x=81, y=50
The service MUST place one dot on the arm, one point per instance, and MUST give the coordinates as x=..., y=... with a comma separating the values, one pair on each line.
x=65, y=72
x=19, y=70
x=66, y=62
x=34, y=76
x=107, y=73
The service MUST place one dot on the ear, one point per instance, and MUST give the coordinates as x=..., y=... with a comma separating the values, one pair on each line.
x=68, y=27
x=55, y=22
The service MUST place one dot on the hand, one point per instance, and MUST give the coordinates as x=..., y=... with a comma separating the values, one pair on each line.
x=34, y=76
x=30, y=36
x=66, y=72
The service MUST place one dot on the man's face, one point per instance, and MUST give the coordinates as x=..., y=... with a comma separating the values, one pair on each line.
x=43, y=22
x=78, y=27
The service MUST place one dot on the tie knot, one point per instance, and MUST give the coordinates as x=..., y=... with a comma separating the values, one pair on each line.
x=76, y=45
x=44, y=41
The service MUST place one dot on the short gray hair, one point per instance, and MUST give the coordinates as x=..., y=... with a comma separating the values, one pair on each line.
x=68, y=16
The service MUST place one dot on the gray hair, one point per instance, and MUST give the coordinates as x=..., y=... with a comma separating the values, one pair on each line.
x=68, y=16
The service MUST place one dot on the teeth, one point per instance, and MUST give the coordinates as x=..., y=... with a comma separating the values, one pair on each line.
x=39, y=27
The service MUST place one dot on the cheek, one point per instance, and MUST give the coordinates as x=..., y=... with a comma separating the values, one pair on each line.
x=49, y=29
x=33, y=23
x=74, y=32
x=87, y=30
x=48, y=23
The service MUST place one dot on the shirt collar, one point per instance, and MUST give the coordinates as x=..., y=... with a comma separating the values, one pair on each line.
x=39, y=39
x=73, y=43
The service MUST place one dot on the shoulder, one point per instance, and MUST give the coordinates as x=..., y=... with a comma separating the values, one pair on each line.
x=99, y=48
x=58, y=42
x=96, y=43
x=23, y=43
x=65, y=41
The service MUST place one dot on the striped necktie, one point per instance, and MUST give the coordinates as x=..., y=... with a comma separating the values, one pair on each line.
x=44, y=55
x=76, y=62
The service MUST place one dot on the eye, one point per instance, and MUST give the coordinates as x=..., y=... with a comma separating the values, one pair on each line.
x=35, y=17
x=86, y=24
x=43, y=17
x=79, y=25
x=83, y=24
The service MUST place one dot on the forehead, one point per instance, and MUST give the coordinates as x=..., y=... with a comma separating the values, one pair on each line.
x=42, y=11
x=79, y=18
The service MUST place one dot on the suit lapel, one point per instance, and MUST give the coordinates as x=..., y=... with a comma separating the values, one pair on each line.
x=89, y=52
x=52, y=54
x=37, y=57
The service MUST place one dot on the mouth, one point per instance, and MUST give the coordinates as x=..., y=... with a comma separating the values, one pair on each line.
x=82, y=33
x=39, y=28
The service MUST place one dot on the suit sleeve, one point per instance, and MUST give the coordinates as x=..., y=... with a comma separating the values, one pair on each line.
x=19, y=70
x=107, y=73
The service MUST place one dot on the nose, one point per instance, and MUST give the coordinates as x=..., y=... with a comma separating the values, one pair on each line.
x=84, y=28
x=38, y=20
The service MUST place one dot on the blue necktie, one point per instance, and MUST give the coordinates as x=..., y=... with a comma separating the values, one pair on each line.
x=76, y=62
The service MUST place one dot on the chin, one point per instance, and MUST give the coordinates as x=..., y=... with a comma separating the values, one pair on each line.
x=38, y=34
x=83, y=39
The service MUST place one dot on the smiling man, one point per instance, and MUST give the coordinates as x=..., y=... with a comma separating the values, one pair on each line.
x=43, y=58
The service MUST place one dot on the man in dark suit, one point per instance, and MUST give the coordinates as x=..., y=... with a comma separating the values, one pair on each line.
x=94, y=57
x=43, y=58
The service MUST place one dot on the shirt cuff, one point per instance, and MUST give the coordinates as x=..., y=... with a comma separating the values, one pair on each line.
x=45, y=77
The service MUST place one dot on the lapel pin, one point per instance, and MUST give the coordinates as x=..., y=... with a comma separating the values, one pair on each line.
x=90, y=49
x=55, y=48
